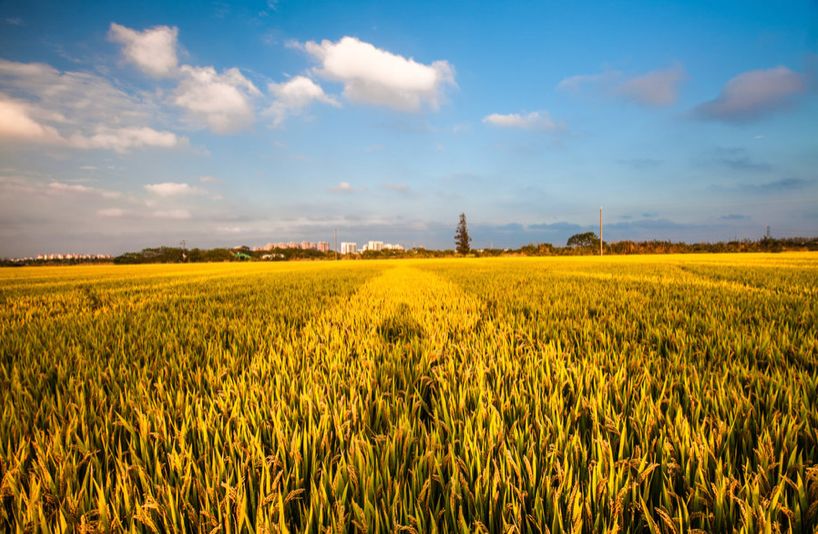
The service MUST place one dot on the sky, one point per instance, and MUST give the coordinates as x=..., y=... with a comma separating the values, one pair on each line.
x=126, y=125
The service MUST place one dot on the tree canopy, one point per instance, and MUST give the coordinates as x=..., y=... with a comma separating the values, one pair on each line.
x=586, y=239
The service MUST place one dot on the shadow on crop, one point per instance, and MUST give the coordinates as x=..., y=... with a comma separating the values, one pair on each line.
x=400, y=327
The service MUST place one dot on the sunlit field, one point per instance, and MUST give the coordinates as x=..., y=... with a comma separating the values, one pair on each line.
x=631, y=394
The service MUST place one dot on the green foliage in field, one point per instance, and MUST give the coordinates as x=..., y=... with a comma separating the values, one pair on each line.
x=656, y=394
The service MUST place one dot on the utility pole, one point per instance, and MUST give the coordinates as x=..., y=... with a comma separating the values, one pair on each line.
x=183, y=246
x=335, y=239
x=600, y=230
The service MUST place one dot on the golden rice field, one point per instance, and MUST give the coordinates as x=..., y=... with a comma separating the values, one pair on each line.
x=627, y=394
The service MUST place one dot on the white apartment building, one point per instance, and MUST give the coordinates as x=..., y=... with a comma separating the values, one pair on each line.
x=373, y=245
x=377, y=246
x=348, y=247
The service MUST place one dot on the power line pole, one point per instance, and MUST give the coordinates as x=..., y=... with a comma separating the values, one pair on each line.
x=335, y=239
x=600, y=230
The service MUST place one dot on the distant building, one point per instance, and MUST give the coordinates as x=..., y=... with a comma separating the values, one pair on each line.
x=71, y=256
x=376, y=246
x=347, y=247
x=322, y=246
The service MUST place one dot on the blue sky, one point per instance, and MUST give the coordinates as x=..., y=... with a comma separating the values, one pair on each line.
x=124, y=126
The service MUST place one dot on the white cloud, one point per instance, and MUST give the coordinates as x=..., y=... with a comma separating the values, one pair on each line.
x=16, y=123
x=75, y=99
x=220, y=101
x=754, y=94
x=655, y=88
x=175, y=214
x=378, y=77
x=295, y=95
x=536, y=120
x=124, y=139
x=170, y=189
x=209, y=180
x=342, y=187
x=111, y=212
x=152, y=50
x=75, y=110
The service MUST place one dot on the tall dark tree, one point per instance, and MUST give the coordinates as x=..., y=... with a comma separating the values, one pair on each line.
x=462, y=239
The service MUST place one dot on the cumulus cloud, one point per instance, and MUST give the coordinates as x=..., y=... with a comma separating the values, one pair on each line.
x=754, y=94
x=655, y=88
x=77, y=99
x=153, y=50
x=220, y=101
x=295, y=95
x=16, y=123
x=75, y=110
x=536, y=120
x=377, y=77
x=171, y=189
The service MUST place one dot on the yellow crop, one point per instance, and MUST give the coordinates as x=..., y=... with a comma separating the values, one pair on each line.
x=630, y=394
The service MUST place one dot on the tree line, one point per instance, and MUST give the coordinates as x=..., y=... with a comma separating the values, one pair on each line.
x=577, y=247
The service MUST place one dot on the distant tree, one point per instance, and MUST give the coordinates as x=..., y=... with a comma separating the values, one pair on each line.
x=462, y=240
x=586, y=239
